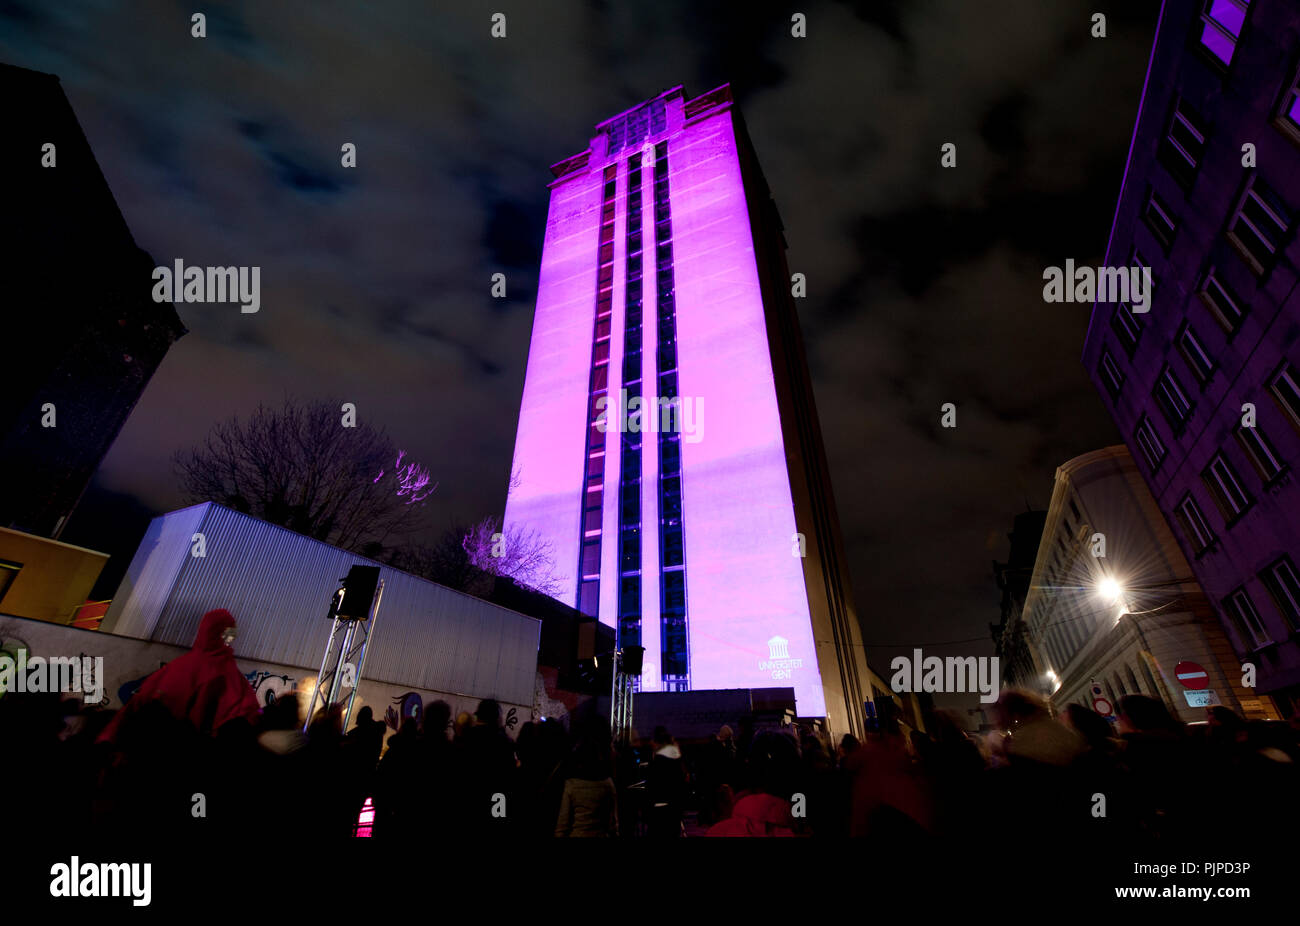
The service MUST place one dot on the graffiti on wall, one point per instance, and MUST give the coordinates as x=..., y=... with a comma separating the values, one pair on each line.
x=11, y=647
x=409, y=706
x=268, y=686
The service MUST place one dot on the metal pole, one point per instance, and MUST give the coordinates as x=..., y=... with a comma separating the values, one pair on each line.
x=365, y=649
x=344, y=649
x=315, y=695
x=613, y=693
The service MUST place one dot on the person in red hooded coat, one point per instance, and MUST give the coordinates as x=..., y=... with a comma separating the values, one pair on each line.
x=203, y=687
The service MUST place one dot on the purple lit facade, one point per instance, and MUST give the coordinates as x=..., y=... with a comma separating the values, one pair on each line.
x=663, y=275
x=1223, y=332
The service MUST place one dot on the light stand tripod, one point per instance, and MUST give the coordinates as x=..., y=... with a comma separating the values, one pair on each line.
x=349, y=663
x=626, y=668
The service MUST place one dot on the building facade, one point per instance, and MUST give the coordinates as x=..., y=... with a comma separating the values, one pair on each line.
x=1205, y=386
x=668, y=444
x=279, y=584
x=1112, y=602
x=79, y=358
x=44, y=579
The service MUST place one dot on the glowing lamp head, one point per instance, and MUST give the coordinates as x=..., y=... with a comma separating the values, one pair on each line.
x=1110, y=590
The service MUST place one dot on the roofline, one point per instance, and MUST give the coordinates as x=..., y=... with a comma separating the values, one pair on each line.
x=366, y=559
x=679, y=88
x=51, y=540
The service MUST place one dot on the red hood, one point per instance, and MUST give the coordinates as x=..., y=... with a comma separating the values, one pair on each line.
x=214, y=624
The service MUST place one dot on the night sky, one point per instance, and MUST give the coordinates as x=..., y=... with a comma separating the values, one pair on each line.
x=924, y=284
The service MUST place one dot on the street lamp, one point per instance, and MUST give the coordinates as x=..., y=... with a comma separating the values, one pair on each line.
x=1110, y=590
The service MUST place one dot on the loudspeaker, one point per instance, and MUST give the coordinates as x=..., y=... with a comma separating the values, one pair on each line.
x=359, y=591
x=632, y=658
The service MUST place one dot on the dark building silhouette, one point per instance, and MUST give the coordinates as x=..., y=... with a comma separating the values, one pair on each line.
x=83, y=334
x=1013, y=576
x=1205, y=386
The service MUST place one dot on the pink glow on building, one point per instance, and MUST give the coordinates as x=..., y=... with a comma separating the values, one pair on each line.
x=745, y=586
x=549, y=444
x=749, y=617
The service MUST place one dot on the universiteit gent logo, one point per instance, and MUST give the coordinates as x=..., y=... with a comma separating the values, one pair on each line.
x=779, y=662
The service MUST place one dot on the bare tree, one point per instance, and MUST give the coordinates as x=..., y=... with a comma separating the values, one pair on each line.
x=524, y=556
x=299, y=467
x=444, y=562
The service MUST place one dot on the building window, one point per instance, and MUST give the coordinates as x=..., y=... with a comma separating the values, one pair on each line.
x=630, y=129
x=1195, y=354
x=1225, y=486
x=1172, y=400
x=1194, y=525
x=629, y=538
x=1285, y=387
x=1110, y=375
x=1288, y=110
x=1261, y=453
x=1243, y=613
x=629, y=609
x=1132, y=679
x=1283, y=583
x=1259, y=226
x=629, y=479
x=1221, y=22
x=8, y=572
x=1184, y=143
x=589, y=597
x=1137, y=260
x=1160, y=219
x=594, y=478
x=1148, y=441
x=1151, y=679
x=591, y=559
x=1127, y=328
x=1222, y=303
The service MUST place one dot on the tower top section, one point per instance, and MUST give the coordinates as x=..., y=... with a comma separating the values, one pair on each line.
x=647, y=122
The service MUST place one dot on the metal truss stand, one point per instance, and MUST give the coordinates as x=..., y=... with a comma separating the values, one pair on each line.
x=354, y=637
x=620, y=706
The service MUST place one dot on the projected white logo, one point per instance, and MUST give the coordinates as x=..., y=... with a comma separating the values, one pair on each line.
x=779, y=662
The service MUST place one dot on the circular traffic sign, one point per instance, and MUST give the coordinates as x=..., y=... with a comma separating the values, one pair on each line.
x=1102, y=706
x=1191, y=675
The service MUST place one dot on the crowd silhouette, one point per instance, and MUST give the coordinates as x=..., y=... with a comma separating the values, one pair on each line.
x=188, y=758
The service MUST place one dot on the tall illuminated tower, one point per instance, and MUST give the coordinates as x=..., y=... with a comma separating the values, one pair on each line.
x=702, y=526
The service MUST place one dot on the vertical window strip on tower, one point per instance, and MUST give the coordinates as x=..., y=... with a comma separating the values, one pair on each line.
x=594, y=479
x=672, y=557
x=629, y=480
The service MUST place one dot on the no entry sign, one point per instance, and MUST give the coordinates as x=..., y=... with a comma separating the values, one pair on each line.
x=1191, y=675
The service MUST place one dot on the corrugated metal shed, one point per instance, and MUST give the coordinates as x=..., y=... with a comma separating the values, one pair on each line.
x=278, y=584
